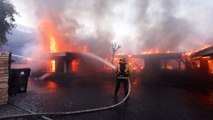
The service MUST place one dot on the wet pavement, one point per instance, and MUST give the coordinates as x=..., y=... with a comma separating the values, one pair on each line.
x=150, y=99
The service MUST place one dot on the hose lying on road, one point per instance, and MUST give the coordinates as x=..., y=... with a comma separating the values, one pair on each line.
x=72, y=112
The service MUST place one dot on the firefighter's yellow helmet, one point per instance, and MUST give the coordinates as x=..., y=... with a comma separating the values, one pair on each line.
x=122, y=60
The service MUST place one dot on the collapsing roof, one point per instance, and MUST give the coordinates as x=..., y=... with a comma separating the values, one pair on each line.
x=205, y=52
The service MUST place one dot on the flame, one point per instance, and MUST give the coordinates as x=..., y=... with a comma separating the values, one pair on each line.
x=206, y=57
x=50, y=35
x=151, y=51
x=57, y=41
x=210, y=63
x=205, y=46
x=54, y=39
x=51, y=84
x=75, y=65
x=188, y=53
x=52, y=66
x=185, y=56
x=169, y=67
x=135, y=64
x=197, y=64
x=156, y=51
x=53, y=47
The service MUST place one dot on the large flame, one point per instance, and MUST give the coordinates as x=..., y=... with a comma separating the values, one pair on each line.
x=50, y=36
x=56, y=41
x=53, y=47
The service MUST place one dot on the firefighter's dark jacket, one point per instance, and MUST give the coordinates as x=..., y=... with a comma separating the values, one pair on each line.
x=126, y=70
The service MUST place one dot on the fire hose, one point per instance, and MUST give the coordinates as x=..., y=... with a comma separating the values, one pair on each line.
x=73, y=112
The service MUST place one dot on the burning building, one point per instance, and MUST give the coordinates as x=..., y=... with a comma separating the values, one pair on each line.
x=155, y=62
x=202, y=62
x=64, y=62
x=72, y=64
x=161, y=61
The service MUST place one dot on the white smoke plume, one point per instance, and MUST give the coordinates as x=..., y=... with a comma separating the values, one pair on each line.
x=137, y=25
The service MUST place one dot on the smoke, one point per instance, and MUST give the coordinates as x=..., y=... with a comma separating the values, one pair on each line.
x=137, y=25
x=78, y=23
x=160, y=27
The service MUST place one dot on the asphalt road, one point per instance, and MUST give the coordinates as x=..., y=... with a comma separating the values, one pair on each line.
x=150, y=99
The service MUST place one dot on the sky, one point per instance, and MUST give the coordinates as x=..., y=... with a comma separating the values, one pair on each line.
x=137, y=25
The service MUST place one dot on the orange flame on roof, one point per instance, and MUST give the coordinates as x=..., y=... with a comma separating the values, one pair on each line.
x=205, y=46
x=151, y=51
x=156, y=51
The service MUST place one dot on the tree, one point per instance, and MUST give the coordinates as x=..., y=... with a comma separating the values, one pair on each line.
x=7, y=19
x=115, y=47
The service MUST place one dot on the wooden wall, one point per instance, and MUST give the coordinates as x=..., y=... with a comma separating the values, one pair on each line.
x=4, y=76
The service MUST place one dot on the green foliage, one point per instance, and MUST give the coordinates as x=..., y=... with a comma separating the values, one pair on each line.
x=7, y=19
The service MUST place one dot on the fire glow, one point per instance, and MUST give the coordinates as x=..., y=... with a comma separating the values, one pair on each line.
x=56, y=42
x=75, y=65
x=52, y=65
x=49, y=35
x=51, y=85
x=52, y=44
x=151, y=51
x=210, y=62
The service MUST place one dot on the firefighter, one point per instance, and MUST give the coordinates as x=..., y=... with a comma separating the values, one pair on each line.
x=122, y=74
